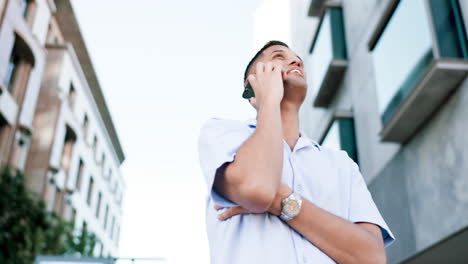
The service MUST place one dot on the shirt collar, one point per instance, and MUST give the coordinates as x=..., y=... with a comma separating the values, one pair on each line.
x=303, y=141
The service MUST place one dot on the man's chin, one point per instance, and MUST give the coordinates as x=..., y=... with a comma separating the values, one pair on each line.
x=295, y=83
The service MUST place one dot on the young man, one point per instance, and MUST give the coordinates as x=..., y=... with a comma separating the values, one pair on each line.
x=277, y=196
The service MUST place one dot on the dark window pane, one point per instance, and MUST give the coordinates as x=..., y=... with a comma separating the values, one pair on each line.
x=449, y=27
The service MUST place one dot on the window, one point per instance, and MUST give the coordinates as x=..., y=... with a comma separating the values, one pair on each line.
x=24, y=7
x=106, y=214
x=328, y=57
x=73, y=217
x=69, y=141
x=341, y=136
x=420, y=54
x=19, y=66
x=11, y=70
x=71, y=97
x=95, y=143
x=98, y=207
x=85, y=125
x=112, y=227
x=90, y=191
x=79, y=175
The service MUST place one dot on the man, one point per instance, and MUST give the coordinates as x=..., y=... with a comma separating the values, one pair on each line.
x=277, y=196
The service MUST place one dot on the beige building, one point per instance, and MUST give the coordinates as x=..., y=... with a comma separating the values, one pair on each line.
x=54, y=121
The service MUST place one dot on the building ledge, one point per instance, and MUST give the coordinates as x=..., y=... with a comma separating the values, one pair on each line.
x=331, y=82
x=440, y=80
x=452, y=249
x=316, y=7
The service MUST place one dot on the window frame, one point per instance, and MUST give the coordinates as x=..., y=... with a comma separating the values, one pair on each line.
x=336, y=69
x=352, y=149
x=409, y=109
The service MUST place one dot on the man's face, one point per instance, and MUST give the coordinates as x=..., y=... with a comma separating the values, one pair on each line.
x=292, y=65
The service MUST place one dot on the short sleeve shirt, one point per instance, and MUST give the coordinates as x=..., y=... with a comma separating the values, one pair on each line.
x=325, y=177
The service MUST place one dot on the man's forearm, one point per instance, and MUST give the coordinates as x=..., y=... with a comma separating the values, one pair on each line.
x=343, y=241
x=258, y=164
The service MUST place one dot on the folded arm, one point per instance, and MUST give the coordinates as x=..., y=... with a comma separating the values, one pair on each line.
x=340, y=239
x=252, y=179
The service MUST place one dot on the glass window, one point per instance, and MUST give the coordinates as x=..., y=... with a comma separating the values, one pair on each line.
x=72, y=96
x=328, y=45
x=341, y=136
x=402, y=54
x=405, y=49
x=450, y=29
x=79, y=175
x=85, y=124
x=90, y=190
x=11, y=71
x=24, y=7
x=106, y=214
x=98, y=206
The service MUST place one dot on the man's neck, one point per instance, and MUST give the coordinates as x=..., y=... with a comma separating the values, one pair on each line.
x=290, y=122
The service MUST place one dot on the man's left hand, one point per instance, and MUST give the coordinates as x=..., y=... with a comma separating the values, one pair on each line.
x=275, y=208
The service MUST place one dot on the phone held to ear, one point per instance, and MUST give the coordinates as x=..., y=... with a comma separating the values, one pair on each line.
x=248, y=91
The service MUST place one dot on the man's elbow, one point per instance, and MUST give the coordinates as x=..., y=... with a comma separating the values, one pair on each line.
x=253, y=194
x=258, y=197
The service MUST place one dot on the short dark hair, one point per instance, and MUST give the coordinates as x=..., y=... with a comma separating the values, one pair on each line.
x=266, y=46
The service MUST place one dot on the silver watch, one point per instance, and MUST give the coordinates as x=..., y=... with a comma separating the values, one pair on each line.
x=291, y=206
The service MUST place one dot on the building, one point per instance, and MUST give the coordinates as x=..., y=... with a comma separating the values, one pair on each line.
x=387, y=83
x=55, y=124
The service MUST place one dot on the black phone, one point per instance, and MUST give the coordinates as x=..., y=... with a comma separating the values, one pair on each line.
x=248, y=91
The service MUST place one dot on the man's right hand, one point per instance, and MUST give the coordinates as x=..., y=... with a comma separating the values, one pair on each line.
x=267, y=83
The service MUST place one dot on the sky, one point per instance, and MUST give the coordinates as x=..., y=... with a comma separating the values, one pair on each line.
x=166, y=67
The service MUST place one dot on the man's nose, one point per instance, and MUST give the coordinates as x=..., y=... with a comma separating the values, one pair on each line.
x=296, y=62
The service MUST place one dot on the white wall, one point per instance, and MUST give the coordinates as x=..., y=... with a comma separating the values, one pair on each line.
x=71, y=74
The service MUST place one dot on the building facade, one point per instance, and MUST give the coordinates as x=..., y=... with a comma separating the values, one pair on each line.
x=387, y=83
x=55, y=124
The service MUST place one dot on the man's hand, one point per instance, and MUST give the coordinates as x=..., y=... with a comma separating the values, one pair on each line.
x=267, y=83
x=275, y=208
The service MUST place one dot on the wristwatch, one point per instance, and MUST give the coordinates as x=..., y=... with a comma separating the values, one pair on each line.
x=291, y=206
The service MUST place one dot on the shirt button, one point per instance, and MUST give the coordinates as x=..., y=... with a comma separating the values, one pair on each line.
x=305, y=259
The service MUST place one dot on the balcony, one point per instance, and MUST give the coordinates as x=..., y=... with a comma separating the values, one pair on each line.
x=420, y=56
x=328, y=56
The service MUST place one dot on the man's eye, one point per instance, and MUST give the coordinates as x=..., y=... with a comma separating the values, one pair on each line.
x=278, y=56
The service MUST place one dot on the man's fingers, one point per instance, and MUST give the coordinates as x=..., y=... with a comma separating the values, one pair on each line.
x=268, y=66
x=232, y=212
x=217, y=207
x=251, y=79
x=260, y=68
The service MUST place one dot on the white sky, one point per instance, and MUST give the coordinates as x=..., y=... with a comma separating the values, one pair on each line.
x=165, y=68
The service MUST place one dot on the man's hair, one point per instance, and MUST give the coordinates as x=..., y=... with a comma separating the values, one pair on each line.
x=259, y=53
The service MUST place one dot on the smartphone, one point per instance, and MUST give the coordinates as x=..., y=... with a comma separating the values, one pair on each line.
x=248, y=91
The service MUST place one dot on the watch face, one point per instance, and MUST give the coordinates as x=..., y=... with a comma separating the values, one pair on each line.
x=291, y=207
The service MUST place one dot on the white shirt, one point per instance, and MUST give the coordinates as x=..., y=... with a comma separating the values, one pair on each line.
x=327, y=178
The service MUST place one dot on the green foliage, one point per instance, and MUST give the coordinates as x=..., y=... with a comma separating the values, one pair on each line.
x=27, y=229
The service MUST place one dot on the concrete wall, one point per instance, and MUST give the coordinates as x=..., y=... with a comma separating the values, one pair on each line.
x=420, y=187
